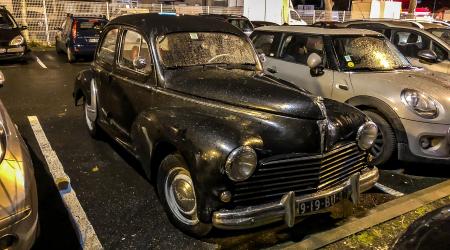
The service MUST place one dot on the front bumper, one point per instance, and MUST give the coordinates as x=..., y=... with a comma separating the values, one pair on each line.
x=287, y=208
x=438, y=153
x=13, y=53
x=83, y=50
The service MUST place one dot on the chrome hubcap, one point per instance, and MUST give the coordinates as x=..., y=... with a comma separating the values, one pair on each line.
x=180, y=196
x=377, y=148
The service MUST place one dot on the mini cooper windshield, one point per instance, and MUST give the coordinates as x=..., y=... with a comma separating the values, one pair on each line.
x=368, y=54
x=179, y=50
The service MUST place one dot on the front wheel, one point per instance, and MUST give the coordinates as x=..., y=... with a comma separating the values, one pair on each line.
x=177, y=193
x=90, y=115
x=384, y=145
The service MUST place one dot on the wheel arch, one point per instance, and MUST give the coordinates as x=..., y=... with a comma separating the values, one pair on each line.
x=383, y=109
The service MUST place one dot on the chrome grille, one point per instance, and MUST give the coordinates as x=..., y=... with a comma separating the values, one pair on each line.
x=303, y=175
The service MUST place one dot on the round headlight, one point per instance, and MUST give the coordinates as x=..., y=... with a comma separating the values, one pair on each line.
x=17, y=40
x=241, y=163
x=422, y=104
x=367, y=134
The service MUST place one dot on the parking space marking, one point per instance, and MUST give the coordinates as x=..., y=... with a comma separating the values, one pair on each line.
x=40, y=62
x=388, y=190
x=86, y=233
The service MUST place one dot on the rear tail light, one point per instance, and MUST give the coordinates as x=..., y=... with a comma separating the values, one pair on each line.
x=74, y=30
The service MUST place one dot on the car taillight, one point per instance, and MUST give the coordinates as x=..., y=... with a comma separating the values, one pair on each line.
x=74, y=30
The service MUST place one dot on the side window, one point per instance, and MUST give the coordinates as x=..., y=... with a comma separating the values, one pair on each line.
x=264, y=43
x=107, y=51
x=297, y=48
x=441, y=53
x=410, y=43
x=134, y=47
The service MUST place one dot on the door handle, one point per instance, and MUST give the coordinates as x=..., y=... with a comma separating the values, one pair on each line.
x=343, y=86
x=272, y=70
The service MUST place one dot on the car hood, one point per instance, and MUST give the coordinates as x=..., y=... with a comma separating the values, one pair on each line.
x=245, y=89
x=6, y=35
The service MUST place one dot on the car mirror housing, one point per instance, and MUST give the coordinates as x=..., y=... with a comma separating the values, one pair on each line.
x=427, y=56
x=314, y=63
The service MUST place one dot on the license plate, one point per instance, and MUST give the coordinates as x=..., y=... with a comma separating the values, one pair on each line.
x=319, y=204
x=93, y=40
x=2, y=50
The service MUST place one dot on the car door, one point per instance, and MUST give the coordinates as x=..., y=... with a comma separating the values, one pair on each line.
x=290, y=63
x=103, y=67
x=131, y=82
x=411, y=42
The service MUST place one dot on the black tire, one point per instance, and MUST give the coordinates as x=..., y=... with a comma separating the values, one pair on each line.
x=92, y=126
x=385, y=144
x=71, y=58
x=173, y=171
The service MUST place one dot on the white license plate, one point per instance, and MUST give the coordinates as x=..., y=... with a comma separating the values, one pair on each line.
x=2, y=50
x=319, y=204
x=93, y=40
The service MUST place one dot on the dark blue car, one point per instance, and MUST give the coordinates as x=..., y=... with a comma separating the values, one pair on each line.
x=78, y=36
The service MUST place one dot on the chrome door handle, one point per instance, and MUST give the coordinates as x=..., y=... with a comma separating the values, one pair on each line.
x=343, y=86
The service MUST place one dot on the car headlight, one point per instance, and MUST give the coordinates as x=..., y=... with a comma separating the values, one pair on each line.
x=422, y=104
x=241, y=163
x=17, y=40
x=366, y=135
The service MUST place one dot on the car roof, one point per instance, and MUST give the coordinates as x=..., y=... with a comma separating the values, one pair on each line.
x=224, y=16
x=388, y=23
x=160, y=24
x=317, y=30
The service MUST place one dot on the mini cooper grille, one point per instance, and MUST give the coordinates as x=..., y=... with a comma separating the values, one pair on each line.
x=303, y=175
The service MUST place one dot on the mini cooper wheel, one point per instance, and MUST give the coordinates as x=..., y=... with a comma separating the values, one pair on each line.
x=177, y=193
x=70, y=56
x=384, y=145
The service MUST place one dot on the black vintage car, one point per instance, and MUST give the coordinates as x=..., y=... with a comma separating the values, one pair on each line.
x=226, y=145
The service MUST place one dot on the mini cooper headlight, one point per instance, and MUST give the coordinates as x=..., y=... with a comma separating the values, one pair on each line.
x=422, y=104
x=17, y=40
x=366, y=135
x=241, y=163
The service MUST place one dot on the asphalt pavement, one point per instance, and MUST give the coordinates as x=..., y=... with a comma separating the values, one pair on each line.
x=119, y=201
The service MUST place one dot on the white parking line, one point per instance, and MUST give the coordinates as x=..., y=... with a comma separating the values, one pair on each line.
x=388, y=190
x=86, y=233
x=40, y=62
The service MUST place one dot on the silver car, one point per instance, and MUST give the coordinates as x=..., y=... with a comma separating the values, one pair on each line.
x=410, y=105
x=18, y=194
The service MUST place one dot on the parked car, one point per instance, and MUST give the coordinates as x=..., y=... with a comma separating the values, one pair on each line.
x=18, y=199
x=238, y=21
x=362, y=68
x=421, y=47
x=258, y=24
x=78, y=36
x=13, y=45
x=227, y=145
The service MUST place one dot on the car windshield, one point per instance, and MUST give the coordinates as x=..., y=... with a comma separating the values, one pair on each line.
x=443, y=34
x=6, y=22
x=368, y=53
x=203, y=48
x=242, y=24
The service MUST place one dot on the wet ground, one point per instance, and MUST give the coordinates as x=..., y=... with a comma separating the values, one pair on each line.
x=119, y=201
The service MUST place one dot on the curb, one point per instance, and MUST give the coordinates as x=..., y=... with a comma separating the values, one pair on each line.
x=378, y=215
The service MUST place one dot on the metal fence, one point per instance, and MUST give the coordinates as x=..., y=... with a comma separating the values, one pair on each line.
x=43, y=16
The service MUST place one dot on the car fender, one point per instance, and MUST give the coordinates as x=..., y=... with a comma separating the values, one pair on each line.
x=82, y=86
x=368, y=102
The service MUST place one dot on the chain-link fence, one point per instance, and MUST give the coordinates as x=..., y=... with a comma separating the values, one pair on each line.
x=43, y=16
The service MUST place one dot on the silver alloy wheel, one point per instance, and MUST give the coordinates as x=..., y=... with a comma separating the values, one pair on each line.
x=180, y=196
x=377, y=147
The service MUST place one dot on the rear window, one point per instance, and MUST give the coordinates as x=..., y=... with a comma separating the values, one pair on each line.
x=95, y=24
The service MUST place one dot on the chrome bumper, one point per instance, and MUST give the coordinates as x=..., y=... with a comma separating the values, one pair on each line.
x=285, y=209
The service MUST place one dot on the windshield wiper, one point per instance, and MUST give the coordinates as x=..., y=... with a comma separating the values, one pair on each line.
x=243, y=66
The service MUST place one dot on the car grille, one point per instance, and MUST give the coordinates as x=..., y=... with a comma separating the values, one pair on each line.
x=303, y=175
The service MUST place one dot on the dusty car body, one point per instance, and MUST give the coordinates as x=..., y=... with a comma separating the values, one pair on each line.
x=226, y=145
x=423, y=47
x=362, y=68
x=18, y=193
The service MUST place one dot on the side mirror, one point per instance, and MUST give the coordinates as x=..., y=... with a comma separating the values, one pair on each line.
x=140, y=63
x=24, y=27
x=262, y=57
x=2, y=79
x=314, y=62
x=427, y=56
